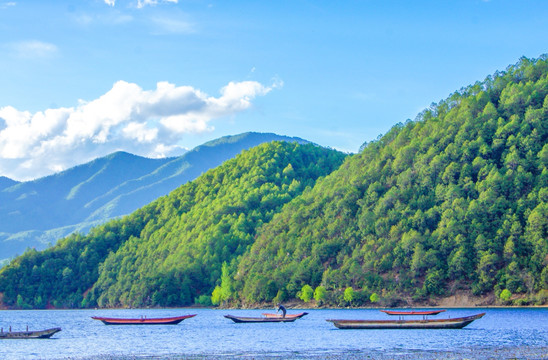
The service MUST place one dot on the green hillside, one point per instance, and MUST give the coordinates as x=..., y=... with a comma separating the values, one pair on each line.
x=36, y=213
x=456, y=200
x=171, y=251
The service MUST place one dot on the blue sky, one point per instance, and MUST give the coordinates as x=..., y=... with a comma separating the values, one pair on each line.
x=81, y=79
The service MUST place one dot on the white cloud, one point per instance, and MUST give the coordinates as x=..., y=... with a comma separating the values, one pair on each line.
x=143, y=3
x=140, y=132
x=32, y=49
x=145, y=122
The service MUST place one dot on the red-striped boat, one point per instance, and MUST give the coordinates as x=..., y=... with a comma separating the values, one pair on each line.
x=143, y=320
x=413, y=312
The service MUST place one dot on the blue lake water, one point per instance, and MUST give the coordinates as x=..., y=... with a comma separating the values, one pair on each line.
x=210, y=335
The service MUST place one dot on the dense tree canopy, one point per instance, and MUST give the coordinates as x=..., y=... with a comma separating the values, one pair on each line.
x=455, y=200
x=171, y=251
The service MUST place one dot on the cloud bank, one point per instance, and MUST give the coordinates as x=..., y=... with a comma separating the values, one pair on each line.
x=150, y=123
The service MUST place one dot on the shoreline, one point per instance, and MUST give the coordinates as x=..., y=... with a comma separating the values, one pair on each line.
x=290, y=306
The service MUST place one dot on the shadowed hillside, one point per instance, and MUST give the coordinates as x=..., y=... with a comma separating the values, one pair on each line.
x=6, y=182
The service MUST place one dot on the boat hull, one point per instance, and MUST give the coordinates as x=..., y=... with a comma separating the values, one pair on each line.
x=246, y=319
x=456, y=323
x=403, y=312
x=143, y=321
x=290, y=316
x=41, y=334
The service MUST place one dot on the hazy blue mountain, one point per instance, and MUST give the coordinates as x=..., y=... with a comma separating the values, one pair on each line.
x=36, y=213
x=6, y=182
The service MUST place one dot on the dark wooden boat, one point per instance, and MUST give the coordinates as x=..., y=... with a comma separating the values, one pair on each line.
x=143, y=320
x=275, y=316
x=455, y=323
x=420, y=312
x=40, y=334
x=264, y=319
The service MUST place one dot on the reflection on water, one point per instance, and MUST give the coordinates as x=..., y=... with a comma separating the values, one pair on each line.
x=504, y=332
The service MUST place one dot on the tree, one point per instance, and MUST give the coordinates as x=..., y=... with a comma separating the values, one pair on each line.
x=306, y=293
x=486, y=270
x=349, y=294
x=319, y=294
x=20, y=302
x=226, y=283
x=203, y=300
x=505, y=295
x=433, y=284
x=374, y=298
x=216, y=296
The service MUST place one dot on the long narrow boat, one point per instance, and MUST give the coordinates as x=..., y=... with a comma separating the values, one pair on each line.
x=296, y=316
x=455, y=323
x=249, y=319
x=143, y=320
x=412, y=312
x=40, y=334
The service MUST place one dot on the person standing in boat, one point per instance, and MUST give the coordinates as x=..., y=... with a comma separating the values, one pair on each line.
x=282, y=309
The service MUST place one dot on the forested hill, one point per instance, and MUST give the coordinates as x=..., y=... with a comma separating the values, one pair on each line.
x=171, y=251
x=453, y=202
x=37, y=213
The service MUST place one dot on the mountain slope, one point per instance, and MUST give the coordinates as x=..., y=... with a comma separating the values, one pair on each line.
x=455, y=201
x=172, y=250
x=35, y=213
x=6, y=182
x=61, y=199
x=135, y=193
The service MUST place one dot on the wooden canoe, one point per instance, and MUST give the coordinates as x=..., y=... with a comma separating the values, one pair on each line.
x=40, y=334
x=297, y=316
x=143, y=320
x=420, y=312
x=455, y=323
x=248, y=319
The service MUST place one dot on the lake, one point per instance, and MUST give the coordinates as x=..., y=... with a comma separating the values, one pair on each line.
x=501, y=333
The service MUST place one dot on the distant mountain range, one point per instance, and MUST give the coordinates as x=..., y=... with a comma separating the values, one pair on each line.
x=37, y=213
